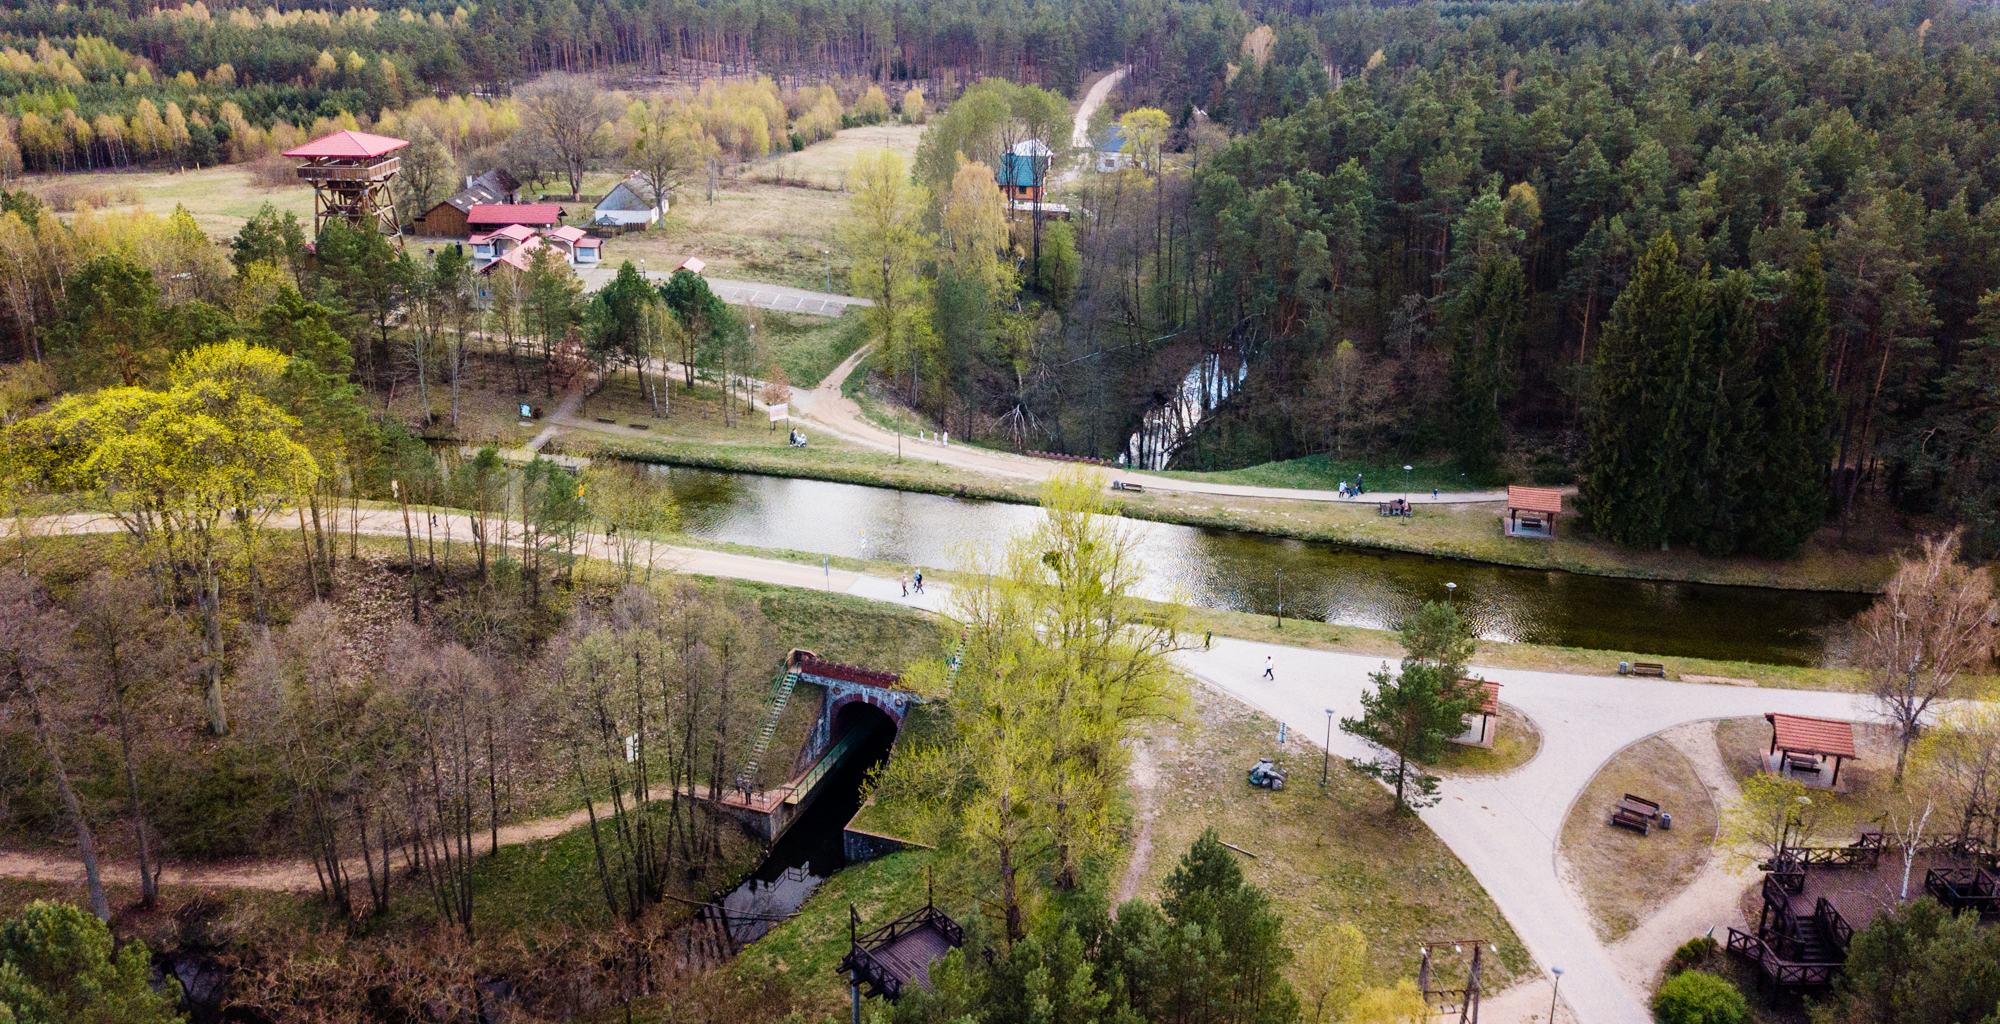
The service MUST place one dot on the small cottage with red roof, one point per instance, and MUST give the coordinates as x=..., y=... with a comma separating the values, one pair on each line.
x=579, y=246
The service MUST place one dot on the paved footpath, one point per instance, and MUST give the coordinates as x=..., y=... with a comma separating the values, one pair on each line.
x=1505, y=828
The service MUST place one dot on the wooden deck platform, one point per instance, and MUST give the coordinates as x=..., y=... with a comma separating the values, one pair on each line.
x=899, y=953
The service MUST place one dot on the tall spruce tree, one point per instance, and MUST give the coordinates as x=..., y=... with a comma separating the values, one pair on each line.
x=1486, y=318
x=1721, y=403
x=1793, y=411
x=1637, y=443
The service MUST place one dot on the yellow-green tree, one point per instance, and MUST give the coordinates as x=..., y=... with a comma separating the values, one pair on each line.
x=1775, y=812
x=975, y=231
x=172, y=465
x=1145, y=131
x=1330, y=971
x=885, y=237
x=666, y=145
x=1056, y=667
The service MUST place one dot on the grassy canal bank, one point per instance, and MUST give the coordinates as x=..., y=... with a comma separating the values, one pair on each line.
x=1469, y=531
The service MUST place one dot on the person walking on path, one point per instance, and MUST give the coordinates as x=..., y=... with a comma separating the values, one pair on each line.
x=920, y=581
x=904, y=579
x=1268, y=666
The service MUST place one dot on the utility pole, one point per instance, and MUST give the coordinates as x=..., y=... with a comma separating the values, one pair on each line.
x=1326, y=763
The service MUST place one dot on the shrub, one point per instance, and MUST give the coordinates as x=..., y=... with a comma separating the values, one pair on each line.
x=1697, y=997
x=1692, y=954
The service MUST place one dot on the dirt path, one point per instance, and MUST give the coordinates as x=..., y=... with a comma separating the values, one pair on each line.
x=1079, y=136
x=1145, y=784
x=565, y=413
x=273, y=876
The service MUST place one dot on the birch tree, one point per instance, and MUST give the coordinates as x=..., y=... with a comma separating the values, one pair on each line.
x=1932, y=624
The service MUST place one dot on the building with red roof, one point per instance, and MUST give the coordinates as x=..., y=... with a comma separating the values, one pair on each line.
x=519, y=258
x=486, y=217
x=577, y=243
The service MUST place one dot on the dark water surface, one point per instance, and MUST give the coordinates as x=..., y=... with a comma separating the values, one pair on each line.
x=809, y=852
x=1245, y=572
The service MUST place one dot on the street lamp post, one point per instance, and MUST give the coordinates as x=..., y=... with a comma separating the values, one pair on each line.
x=1450, y=592
x=1406, y=485
x=1281, y=599
x=1558, y=972
x=1326, y=763
x=828, y=254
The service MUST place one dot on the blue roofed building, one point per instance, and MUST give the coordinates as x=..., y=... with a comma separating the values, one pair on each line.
x=1110, y=154
x=1023, y=174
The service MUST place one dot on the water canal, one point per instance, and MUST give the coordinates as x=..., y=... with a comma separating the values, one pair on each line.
x=1248, y=572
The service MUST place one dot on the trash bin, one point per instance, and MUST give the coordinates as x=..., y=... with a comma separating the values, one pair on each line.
x=1666, y=822
x=1624, y=668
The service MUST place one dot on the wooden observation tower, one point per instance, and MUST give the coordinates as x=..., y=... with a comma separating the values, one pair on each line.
x=350, y=174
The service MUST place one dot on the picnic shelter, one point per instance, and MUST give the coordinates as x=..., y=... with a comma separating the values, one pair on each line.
x=1800, y=745
x=1532, y=511
x=1481, y=726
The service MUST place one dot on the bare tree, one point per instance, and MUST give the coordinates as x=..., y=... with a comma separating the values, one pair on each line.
x=1932, y=623
x=128, y=646
x=314, y=710
x=563, y=113
x=31, y=654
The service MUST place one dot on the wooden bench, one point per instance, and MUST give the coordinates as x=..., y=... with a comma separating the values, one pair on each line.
x=1802, y=765
x=1639, y=823
x=1649, y=668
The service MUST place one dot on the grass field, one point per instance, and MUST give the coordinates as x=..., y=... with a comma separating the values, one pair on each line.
x=825, y=164
x=757, y=229
x=1321, y=472
x=1623, y=875
x=220, y=198
x=752, y=231
x=1516, y=743
x=1322, y=856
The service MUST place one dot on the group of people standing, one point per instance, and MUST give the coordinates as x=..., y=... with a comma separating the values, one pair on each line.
x=904, y=579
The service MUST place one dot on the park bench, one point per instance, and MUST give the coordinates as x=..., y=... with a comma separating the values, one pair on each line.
x=1649, y=668
x=1120, y=485
x=1639, y=823
x=1393, y=507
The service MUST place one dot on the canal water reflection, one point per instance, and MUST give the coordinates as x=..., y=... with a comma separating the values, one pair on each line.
x=1248, y=572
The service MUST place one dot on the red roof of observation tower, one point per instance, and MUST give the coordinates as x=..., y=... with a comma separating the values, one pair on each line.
x=349, y=144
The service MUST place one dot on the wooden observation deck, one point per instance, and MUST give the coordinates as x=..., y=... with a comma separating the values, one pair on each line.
x=350, y=173
x=899, y=953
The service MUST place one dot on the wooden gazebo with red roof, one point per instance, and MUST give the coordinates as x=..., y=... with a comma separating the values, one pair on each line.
x=1482, y=733
x=350, y=173
x=1797, y=737
x=1542, y=504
